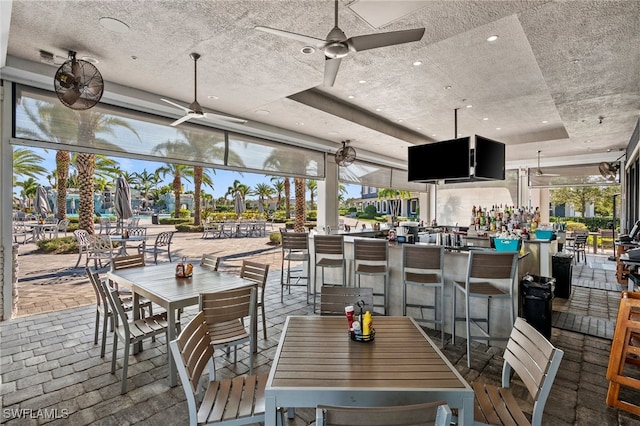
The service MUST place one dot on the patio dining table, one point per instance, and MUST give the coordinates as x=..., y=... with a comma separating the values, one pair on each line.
x=317, y=363
x=159, y=284
x=122, y=241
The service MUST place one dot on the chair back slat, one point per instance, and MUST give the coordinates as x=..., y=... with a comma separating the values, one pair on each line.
x=329, y=244
x=431, y=413
x=194, y=348
x=423, y=257
x=254, y=271
x=334, y=299
x=530, y=355
x=164, y=238
x=496, y=265
x=371, y=250
x=126, y=262
x=209, y=261
x=295, y=240
x=228, y=305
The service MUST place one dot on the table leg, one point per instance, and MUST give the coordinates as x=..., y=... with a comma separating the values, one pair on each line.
x=465, y=416
x=136, y=316
x=171, y=335
x=270, y=409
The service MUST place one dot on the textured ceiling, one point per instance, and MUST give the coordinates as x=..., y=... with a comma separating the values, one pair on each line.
x=556, y=68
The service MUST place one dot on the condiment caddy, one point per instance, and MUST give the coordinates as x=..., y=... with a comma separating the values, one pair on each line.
x=360, y=326
x=184, y=269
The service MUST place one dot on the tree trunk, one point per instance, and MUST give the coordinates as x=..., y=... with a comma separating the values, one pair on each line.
x=62, y=165
x=300, y=190
x=177, y=189
x=86, y=164
x=197, y=184
x=287, y=197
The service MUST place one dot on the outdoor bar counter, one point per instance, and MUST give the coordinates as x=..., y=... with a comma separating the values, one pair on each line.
x=455, y=268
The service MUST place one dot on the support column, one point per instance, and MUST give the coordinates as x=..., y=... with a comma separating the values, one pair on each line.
x=328, y=196
x=6, y=202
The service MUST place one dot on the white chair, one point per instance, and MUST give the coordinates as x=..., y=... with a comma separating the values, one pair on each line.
x=131, y=332
x=234, y=401
x=63, y=225
x=536, y=361
x=82, y=238
x=162, y=245
x=435, y=413
x=21, y=231
x=422, y=269
x=101, y=250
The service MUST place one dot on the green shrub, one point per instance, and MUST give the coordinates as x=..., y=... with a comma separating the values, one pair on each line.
x=275, y=238
x=312, y=215
x=188, y=227
x=591, y=223
x=64, y=245
x=173, y=221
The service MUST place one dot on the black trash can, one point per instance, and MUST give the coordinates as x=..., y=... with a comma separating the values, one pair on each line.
x=154, y=219
x=536, y=295
x=562, y=271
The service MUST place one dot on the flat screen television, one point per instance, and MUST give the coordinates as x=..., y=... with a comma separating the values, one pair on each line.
x=440, y=160
x=489, y=159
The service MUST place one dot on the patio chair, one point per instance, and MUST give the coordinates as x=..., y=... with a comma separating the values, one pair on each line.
x=105, y=225
x=234, y=401
x=128, y=262
x=295, y=247
x=20, y=230
x=102, y=308
x=162, y=245
x=209, y=261
x=215, y=229
x=101, y=250
x=329, y=253
x=131, y=332
x=579, y=247
x=63, y=225
x=535, y=360
x=224, y=313
x=82, y=238
x=333, y=300
x=257, y=272
x=435, y=413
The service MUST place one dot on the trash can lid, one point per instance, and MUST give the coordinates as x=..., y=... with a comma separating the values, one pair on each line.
x=563, y=255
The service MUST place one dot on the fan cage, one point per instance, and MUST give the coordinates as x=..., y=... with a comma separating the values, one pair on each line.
x=90, y=84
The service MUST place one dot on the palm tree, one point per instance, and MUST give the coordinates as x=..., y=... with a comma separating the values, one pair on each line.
x=394, y=196
x=312, y=186
x=263, y=191
x=179, y=171
x=28, y=192
x=300, y=191
x=26, y=163
x=278, y=186
x=145, y=182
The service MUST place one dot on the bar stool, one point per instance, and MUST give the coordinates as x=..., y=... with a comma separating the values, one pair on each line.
x=422, y=268
x=295, y=247
x=329, y=253
x=484, y=268
x=371, y=257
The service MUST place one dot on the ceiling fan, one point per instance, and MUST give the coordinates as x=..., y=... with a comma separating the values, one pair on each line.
x=539, y=170
x=346, y=155
x=337, y=45
x=195, y=110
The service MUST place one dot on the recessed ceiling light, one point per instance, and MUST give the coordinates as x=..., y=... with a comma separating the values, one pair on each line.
x=485, y=119
x=400, y=120
x=447, y=87
x=263, y=112
x=492, y=38
x=299, y=123
x=134, y=57
x=350, y=96
x=114, y=25
x=498, y=128
x=469, y=106
x=417, y=63
x=587, y=141
x=575, y=61
x=459, y=134
x=362, y=81
x=213, y=97
x=333, y=133
x=378, y=109
x=90, y=59
x=308, y=50
x=419, y=128
x=545, y=121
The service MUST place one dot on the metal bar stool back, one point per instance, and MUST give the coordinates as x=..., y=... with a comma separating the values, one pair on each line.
x=371, y=257
x=295, y=248
x=328, y=253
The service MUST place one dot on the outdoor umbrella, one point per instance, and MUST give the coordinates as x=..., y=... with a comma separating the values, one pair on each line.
x=239, y=204
x=122, y=200
x=41, y=204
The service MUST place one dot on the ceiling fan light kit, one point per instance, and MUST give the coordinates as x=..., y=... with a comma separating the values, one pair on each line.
x=337, y=46
x=78, y=83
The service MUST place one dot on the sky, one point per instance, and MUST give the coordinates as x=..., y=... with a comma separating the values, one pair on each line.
x=222, y=179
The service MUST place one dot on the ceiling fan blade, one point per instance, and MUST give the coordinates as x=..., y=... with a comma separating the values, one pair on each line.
x=177, y=105
x=331, y=67
x=181, y=120
x=224, y=117
x=317, y=42
x=373, y=41
x=72, y=95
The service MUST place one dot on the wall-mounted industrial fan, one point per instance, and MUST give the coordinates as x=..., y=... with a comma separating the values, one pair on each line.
x=609, y=171
x=346, y=155
x=78, y=83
